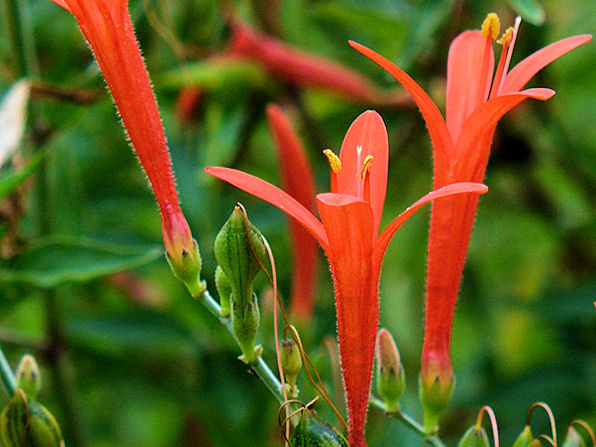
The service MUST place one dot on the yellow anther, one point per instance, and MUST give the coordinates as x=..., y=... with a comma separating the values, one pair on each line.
x=334, y=161
x=491, y=27
x=506, y=37
x=365, y=166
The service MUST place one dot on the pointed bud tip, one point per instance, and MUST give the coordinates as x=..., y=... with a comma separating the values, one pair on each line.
x=28, y=376
x=391, y=379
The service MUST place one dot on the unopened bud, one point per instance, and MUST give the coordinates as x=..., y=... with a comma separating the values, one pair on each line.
x=573, y=439
x=240, y=252
x=25, y=422
x=525, y=438
x=391, y=378
x=474, y=437
x=224, y=289
x=28, y=377
x=435, y=395
x=291, y=362
x=314, y=431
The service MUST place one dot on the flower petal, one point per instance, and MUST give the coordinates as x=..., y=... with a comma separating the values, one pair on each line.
x=62, y=3
x=456, y=188
x=464, y=75
x=369, y=133
x=519, y=76
x=442, y=142
x=275, y=196
x=349, y=225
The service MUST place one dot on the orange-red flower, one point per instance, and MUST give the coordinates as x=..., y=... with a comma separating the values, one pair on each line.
x=297, y=180
x=476, y=100
x=348, y=232
x=107, y=27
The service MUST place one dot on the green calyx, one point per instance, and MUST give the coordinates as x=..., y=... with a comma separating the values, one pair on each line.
x=573, y=439
x=291, y=363
x=240, y=252
x=525, y=438
x=28, y=376
x=224, y=289
x=312, y=431
x=435, y=398
x=188, y=270
x=391, y=378
x=475, y=436
x=25, y=422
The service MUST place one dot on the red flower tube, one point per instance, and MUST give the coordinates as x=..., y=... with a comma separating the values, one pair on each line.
x=348, y=232
x=298, y=181
x=107, y=27
x=476, y=101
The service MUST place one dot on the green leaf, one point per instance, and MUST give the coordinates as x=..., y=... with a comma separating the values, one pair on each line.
x=58, y=260
x=530, y=10
x=11, y=180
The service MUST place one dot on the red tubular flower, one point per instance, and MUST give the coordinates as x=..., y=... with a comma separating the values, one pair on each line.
x=300, y=68
x=297, y=180
x=107, y=27
x=348, y=232
x=476, y=100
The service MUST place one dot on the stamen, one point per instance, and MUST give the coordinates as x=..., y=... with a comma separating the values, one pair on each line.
x=334, y=161
x=506, y=37
x=365, y=166
x=491, y=27
x=509, y=53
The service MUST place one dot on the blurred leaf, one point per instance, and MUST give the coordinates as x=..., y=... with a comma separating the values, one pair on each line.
x=530, y=10
x=13, y=115
x=58, y=260
x=10, y=180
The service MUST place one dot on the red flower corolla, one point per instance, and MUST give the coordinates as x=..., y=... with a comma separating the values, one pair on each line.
x=476, y=100
x=107, y=27
x=348, y=232
x=297, y=180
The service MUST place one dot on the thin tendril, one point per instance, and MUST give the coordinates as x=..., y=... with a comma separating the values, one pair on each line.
x=493, y=422
x=551, y=418
x=587, y=427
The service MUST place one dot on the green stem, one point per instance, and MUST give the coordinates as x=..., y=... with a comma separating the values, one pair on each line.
x=7, y=376
x=261, y=369
x=410, y=423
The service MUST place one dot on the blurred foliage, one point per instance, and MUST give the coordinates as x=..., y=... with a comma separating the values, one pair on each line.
x=150, y=367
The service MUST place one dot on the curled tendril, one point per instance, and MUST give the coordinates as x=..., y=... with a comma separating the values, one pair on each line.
x=548, y=439
x=493, y=422
x=285, y=423
x=551, y=419
x=586, y=427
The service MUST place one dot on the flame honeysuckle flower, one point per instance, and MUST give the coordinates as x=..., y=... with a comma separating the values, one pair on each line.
x=297, y=180
x=476, y=100
x=348, y=232
x=107, y=27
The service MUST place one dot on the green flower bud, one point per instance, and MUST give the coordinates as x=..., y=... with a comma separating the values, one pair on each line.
x=188, y=269
x=474, y=437
x=291, y=363
x=312, y=431
x=391, y=378
x=573, y=439
x=435, y=398
x=237, y=247
x=25, y=422
x=224, y=289
x=525, y=438
x=28, y=377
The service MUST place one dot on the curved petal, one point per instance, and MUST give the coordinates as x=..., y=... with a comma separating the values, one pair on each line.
x=275, y=196
x=62, y=3
x=526, y=69
x=349, y=224
x=439, y=135
x=464, y=75
x=369, y=133
x=484, y=119
x=381, y=243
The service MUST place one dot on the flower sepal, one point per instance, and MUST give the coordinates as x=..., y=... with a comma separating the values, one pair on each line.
x=435, y=395
x=391, y=378
x=525, y=438
x=475, y=436
x=187, y=268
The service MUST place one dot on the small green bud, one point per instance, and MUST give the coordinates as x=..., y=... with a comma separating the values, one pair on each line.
x=391, y=378
x=28, y=377
x=474, y=437
x=435, y=398
x=573, y=439
x=312, y=431
x=187, y=268
x=224, y=289
x=25, y=422
x=291, y=363
x=237, y=247
x=525, y=438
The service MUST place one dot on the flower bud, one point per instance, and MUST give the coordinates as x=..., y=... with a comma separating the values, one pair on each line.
x=291, y=363
x=573, y=439
x=25, y=422
x=391, y=379
x=28, y=377
x=312, y=431
x=435, y=396
x=224, y=289
x=474, y=437
x=525, y=438
x=240, y=252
